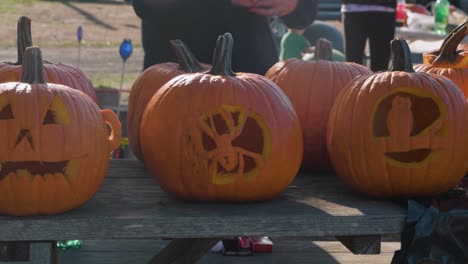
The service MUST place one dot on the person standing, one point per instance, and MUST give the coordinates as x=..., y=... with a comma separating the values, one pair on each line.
x=198, y=23
x=372, y=20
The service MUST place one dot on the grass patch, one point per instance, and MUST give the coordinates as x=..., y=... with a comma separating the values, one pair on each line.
x=105, y=81
x=9, y=6
x=74, y=44
x=112, y=80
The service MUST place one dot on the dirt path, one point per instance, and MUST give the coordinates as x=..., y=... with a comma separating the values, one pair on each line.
x=54, y=23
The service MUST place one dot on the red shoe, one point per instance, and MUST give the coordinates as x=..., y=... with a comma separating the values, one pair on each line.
x=261, y=244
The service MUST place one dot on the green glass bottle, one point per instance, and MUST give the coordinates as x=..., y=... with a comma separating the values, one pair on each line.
x=68, y=244
x=441, y=13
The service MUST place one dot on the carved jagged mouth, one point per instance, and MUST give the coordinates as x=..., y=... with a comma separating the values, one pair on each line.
x=39, y=168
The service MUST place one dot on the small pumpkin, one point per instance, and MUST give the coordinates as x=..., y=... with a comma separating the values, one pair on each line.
x=312, y=87
x=451, y=60
x=150, y=81
x=221, y=136
x=56, y=144
x=399, y=133
x=53, y=73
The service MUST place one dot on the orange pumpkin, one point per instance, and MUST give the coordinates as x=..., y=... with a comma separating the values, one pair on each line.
x=221, y=136
x=56, y=145
x=53, y=73
x=399, y=133
x=451, y=60
x=312, y=87
x=149, y=82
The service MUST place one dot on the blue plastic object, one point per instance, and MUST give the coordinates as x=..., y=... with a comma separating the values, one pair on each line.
x=126, y=49
x=79, y=33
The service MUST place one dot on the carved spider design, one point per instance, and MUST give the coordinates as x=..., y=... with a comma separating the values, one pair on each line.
x=231, y=158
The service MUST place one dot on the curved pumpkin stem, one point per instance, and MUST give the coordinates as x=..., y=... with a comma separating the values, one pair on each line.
x=33, y=68
x=448, y=50
x=323, y=50
x=222, y=56
x=23, y=37
x=401, y=56
x=185, y=58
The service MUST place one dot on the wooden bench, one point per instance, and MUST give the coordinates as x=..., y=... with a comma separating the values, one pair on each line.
x=130, y=205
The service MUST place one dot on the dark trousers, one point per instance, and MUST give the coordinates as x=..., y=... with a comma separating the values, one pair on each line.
x=378, y=27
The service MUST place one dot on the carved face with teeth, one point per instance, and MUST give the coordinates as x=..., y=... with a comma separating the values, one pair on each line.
x=55, y=148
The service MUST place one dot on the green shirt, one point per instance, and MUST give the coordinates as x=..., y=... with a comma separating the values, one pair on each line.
x=292, y=45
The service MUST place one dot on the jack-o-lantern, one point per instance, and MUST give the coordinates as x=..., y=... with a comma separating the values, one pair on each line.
x=53, y=73
x=220, y=135
x=312, y=87
x=56, y=145
x=399, y=133
x=451, y=60
x=150, y=81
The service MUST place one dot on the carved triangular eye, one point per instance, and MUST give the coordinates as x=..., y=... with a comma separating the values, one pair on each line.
x=49, y=118
x=57, y=113
x=6, y=112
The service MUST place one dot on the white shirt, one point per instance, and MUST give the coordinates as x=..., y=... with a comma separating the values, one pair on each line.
x=365, y=8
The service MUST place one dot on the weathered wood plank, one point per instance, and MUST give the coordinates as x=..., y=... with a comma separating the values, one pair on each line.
x=279, y=243
x=181, y=251
x=129, y=206
x=314, y=257
x=284, y=251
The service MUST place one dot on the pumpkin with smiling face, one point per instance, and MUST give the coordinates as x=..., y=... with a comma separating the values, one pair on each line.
x=56, y=146
x=53, y=72
x=399, y=133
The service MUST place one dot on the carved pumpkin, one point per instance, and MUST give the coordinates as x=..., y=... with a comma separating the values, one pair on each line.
x=399, y=133
x=56, y=145
x=149, y=82
x=220, y=135
x=312, y=87
x=451, y=60
x=53, y=73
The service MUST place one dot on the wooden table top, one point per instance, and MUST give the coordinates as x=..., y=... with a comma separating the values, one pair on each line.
x=131, y=205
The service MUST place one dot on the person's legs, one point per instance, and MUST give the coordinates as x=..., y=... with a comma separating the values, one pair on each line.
x=382, y=31
x=355, y=35
x=156, y=45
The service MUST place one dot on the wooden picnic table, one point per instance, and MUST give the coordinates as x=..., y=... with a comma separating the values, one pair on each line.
x=130, y=205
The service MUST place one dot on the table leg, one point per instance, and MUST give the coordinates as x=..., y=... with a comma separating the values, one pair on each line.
x=365, y=245
x=14, y=251
x=187, y=250
x=43, y=252
x=25, y=252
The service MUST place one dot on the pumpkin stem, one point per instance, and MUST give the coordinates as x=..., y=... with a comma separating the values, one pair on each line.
x=33, y=68
x=448, y=51
x=23, y=35
x=401, y=56
x=222, y=56
x=323, y=50
x=185, y=58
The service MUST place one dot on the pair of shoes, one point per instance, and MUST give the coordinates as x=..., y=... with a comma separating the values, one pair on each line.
x=244, y=246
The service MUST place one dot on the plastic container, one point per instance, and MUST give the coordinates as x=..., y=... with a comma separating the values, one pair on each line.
x=441, y=12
